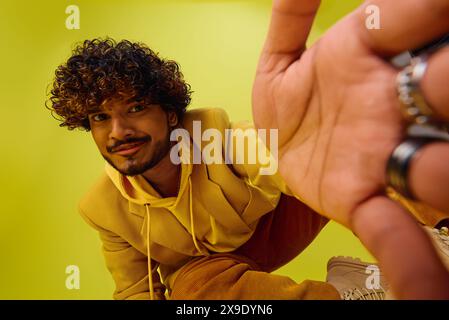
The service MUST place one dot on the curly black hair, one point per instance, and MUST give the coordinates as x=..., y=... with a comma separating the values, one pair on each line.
x=100, y=69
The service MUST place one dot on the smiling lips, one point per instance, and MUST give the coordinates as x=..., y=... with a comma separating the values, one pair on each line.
x=129, y=148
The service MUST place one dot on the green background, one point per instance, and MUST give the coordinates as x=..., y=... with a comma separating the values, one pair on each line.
x=46, y=169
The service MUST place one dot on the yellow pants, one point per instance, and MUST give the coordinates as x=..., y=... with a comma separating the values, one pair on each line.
x=245, y=273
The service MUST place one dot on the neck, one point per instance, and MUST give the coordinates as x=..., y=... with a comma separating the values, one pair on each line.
x=164, y=177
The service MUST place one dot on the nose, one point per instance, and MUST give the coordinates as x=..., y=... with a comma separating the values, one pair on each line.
x=120, y=129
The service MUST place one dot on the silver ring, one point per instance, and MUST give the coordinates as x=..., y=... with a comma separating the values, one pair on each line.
x=413, y=105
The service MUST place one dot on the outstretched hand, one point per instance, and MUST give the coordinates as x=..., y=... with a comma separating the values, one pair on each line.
x=336, y=108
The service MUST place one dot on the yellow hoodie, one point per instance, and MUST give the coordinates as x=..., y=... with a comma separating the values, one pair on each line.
x=216, y=210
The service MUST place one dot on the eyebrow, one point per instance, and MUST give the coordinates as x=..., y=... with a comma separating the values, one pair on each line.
x=130, y=101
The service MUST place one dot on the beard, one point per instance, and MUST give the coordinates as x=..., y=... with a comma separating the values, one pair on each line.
x=162, y=148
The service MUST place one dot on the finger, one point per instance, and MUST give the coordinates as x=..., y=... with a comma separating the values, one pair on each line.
x=290, y=25
x=434, y=83
x=403, y=250
x=404, y=24
x=429, y=175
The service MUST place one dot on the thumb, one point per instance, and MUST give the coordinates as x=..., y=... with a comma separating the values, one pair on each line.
x=291, y=21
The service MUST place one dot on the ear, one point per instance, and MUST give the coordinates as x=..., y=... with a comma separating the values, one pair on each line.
x=172, y=118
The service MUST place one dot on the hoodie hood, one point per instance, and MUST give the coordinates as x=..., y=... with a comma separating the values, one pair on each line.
x=138, y=190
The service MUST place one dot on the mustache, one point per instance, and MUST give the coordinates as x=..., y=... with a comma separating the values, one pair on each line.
x=112, y=148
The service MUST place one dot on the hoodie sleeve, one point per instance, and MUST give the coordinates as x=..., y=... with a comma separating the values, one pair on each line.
x=128, y=267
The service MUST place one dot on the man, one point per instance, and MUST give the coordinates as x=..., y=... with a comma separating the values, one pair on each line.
x=150, y=205
x=203, y=224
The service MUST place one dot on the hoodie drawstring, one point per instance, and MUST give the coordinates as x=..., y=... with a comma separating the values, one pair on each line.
x=192, y=223
x=192, y=231
x=150, y=269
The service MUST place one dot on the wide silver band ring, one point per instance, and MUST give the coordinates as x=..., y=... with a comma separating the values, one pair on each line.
x=413, y=105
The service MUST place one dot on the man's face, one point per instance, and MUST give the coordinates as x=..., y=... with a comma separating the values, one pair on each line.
x=133, y=137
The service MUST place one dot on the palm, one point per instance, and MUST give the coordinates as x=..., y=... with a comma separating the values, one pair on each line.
x=337, y=123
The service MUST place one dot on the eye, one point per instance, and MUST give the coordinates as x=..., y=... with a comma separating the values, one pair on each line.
x=137, y=108
x=99, y=117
